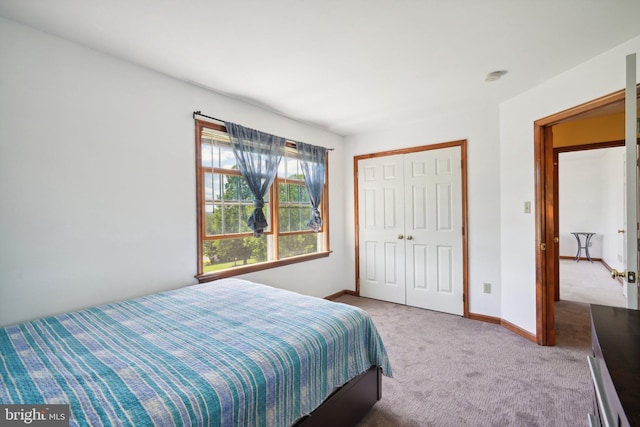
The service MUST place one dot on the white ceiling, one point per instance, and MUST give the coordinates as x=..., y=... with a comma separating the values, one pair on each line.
x=349, y=66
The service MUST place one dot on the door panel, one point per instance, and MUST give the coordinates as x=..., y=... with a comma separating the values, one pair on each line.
x=420, y=266
x=370, y=261
x=434, y=265
x=419, y=207
x=445, y=270
x=390, y=208
x=391, y=263
x=380, y=217
x=445, y=207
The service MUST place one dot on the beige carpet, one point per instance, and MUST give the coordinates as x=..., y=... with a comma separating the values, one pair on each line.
x=452, y=371
x=589, y=282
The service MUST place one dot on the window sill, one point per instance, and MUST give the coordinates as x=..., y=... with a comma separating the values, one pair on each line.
x=235, y=271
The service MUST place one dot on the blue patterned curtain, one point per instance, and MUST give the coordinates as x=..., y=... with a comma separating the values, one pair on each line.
x=312, y=159
x=258, y=155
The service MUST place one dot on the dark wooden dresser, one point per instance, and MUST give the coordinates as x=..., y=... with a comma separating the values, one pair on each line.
x=615, y=366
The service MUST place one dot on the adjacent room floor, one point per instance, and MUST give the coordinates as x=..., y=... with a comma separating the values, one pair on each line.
x=590, y=283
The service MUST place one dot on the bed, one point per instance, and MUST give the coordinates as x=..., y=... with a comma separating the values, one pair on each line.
x=225, y=353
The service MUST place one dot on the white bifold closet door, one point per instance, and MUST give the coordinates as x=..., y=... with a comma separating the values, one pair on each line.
x=410, y=229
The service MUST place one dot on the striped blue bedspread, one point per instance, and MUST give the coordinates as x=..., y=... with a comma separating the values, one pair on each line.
x=227, y=353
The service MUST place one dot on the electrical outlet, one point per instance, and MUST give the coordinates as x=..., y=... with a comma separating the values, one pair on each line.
x=527, y=207
x=487, y=288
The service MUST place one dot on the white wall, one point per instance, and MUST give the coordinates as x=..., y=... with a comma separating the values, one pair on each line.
x=97, y=179
x=479, y=126
x=599, y=76
x=590, y=187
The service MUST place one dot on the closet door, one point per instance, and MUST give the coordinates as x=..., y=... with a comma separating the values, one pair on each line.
x=410, y=229
x=433, y=230
x=381, y=228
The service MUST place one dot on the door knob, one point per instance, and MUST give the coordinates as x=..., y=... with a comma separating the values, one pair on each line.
x=409, y=237
x=629, y=276
x=615, y=274
x=400, y=236
x=621, y=230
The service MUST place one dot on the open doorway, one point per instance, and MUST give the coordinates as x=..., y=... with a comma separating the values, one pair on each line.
x=591, y=203
x=547, y=214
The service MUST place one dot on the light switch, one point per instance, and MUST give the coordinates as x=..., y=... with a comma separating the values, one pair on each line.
x=527, y=207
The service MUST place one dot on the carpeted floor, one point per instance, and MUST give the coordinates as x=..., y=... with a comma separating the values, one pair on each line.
x=452, y=371
x=589, y=282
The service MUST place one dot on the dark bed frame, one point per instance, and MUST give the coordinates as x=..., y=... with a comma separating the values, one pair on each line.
x=348, y=404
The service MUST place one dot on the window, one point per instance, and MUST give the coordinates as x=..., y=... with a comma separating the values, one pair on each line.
x=226, y=245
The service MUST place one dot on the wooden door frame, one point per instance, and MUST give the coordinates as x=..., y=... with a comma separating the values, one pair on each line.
x=463, y=172
x=546, y=212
